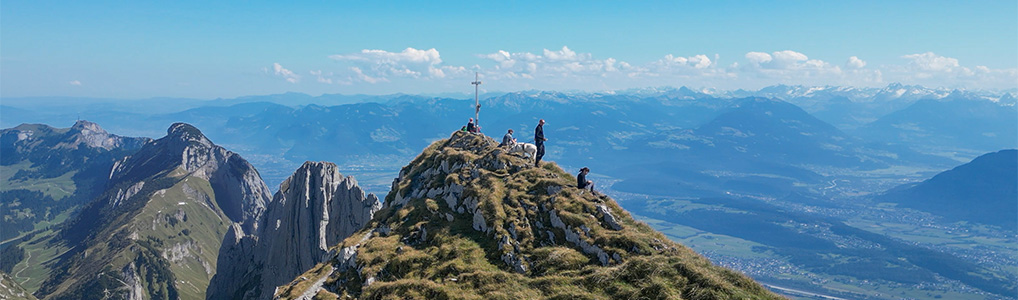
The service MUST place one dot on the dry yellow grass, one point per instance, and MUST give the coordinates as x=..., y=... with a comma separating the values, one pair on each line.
x=414, y=250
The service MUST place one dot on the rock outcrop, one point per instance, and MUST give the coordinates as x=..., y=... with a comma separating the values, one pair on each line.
x=467, y=220
x=11, y=290
x=315, y=208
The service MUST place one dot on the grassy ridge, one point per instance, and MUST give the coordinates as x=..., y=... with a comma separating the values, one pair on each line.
x=466, y=220
x=167, y=237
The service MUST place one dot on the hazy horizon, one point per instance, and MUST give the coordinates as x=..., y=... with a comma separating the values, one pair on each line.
x=227, y=50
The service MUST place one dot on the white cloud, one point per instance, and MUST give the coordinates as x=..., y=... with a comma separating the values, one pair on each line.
x=322, y=77
x=565, y=68
x=680, y=70
x=783, y=60
x=289, y=75
x=565, y=55
x=364, y=77
x=553, y=65
x=931, y=62
x=935, y=70
x=430, y=56
x=758, y=57
x=75, y=83
x=855, y=63
x=409, y=63
x=792, y=67
x=789, y=56
x=698, y=61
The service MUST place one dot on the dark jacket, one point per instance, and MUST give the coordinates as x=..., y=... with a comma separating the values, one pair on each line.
x=539, y=135
x=470, y=127
x=581, y=180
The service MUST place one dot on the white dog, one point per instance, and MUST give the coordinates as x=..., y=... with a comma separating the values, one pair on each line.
x=529, y=149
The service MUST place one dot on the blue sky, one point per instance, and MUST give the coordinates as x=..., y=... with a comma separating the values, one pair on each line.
x=143, y=49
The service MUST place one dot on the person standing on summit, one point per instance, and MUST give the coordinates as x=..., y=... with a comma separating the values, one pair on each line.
x=539, y=141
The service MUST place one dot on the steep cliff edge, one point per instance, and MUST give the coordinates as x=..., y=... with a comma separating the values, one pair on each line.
x=467, y=220
x=315, y=208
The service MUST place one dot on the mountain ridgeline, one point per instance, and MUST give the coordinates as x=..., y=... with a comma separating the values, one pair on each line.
x=48, y=172
x=467, y=220
x=156, y=230
x=981, y=191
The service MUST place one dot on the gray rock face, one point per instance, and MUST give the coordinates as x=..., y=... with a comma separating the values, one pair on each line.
x=608, y=217
x=240, y=192
x=171, y=170
x=315, y=208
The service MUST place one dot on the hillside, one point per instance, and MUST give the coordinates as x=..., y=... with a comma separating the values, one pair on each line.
x=155, y=231
x=981, y=191
x=467, y=220
x=11, y=290
x=47, y=173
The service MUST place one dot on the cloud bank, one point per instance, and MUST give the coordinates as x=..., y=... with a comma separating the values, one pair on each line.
x=566, y=68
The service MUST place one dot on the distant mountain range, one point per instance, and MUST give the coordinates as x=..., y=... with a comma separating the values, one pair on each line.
x=183, y=217
x=947, y=124
x=839, y=127
x=49, y=172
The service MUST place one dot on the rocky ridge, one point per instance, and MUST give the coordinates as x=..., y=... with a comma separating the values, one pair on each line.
x=82, y=133
x=241, y=194
x=315, y=208
x=467, y=220
x=156, y=229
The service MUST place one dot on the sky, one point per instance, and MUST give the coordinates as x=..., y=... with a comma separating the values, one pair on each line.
x=212, y=49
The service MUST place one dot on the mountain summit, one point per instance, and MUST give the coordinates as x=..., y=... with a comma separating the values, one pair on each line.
x=467, y=220
x=156, y=229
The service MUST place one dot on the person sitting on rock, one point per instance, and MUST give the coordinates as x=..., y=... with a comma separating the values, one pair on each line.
x=508, y=139
x=470, y=126
x=582, y=182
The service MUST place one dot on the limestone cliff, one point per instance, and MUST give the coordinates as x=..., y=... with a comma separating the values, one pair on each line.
x=315, y=208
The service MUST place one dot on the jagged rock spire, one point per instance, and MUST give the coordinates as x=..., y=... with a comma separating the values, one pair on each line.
x=315, y=208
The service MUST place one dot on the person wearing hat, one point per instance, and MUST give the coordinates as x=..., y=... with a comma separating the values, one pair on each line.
x=582, y=182
x=508, y=139
x=539, y=142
